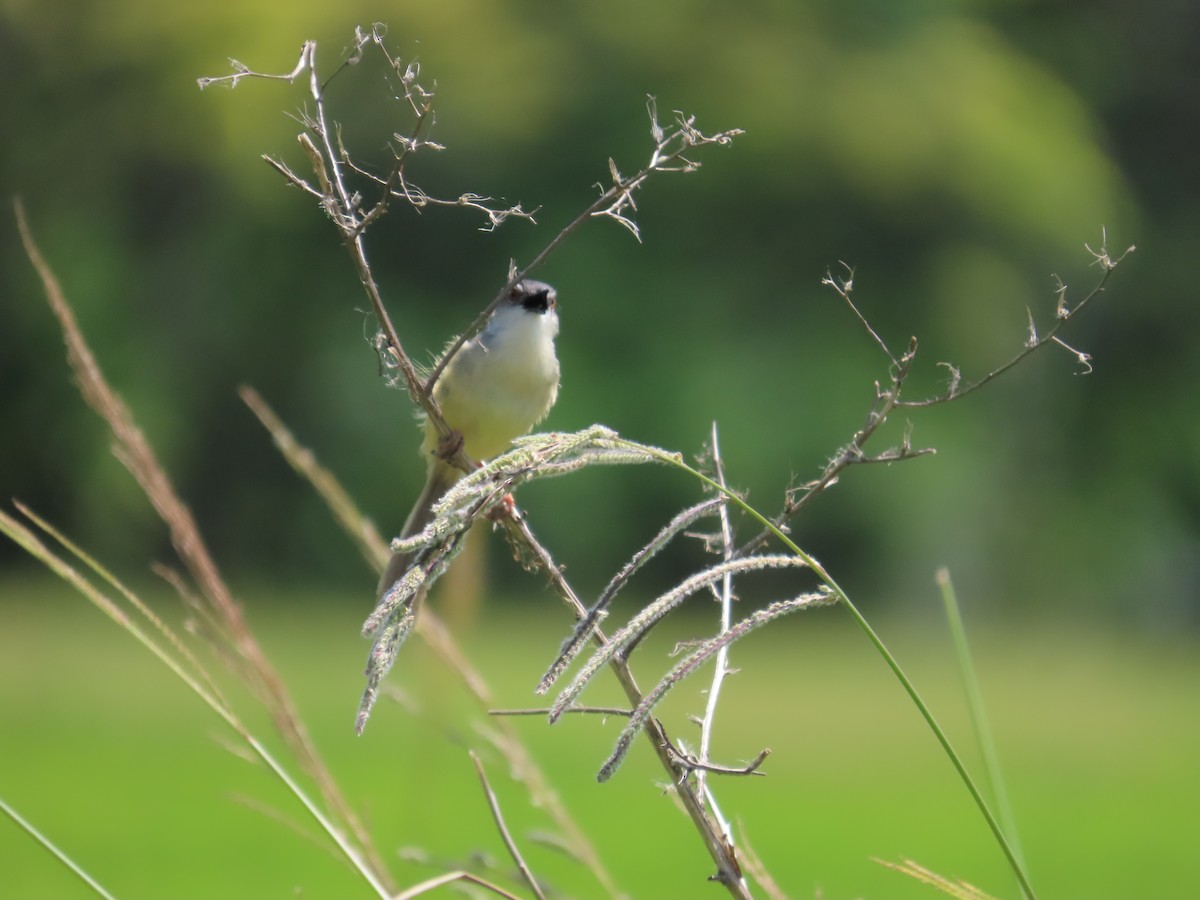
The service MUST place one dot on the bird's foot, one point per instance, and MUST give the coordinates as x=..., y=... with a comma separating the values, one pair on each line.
x=449, y=445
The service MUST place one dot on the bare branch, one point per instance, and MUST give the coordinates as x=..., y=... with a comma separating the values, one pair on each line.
x=242, y=71
x=331, y=164
x=691, y=763
x=853, y=453
x=844, y=287
x=613, y=202
x=1063, y=313
x=728, y=870
x=889, y=399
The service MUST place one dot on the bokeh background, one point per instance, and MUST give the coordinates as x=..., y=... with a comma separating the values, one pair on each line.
x=957, y=155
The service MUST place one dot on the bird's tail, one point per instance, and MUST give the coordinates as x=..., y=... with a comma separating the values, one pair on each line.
x=441, y=478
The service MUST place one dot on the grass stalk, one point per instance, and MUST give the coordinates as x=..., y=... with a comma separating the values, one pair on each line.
x=978, y=713
x=1014, y=862
x=29, y=541
x=55, y=851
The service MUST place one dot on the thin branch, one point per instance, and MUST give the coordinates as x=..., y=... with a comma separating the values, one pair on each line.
x=728, y=870
x=341, y=205
x=692, y=763
x=889, y=399
x=844, y=287
x=545, y=710
x=1084, y=359
x=498, y=816
x=667, y=156
x=1064, y=313
x=853, y=453
x=242, y=71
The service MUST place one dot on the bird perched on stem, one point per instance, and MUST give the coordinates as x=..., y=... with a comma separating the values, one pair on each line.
x=497, y=386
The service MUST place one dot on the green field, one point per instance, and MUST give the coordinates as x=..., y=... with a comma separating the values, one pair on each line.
x=110, y=756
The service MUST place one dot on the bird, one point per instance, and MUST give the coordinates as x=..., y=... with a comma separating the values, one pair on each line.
x=496, y=387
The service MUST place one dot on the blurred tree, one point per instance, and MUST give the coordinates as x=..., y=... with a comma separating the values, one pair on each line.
x=956, y=154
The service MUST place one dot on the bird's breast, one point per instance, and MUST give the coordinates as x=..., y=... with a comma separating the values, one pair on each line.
x=497, y=390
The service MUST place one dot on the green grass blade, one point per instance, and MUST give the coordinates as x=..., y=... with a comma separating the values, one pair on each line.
x=979, y=717
x=28, y=541
x=58, y=854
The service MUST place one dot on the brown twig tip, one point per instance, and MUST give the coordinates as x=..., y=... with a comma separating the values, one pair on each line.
x=1035, y=339
x=889, y=397
x=689, y=762
x=1102, y=257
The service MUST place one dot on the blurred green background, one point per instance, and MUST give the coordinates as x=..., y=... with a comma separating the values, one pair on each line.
x=956, y=154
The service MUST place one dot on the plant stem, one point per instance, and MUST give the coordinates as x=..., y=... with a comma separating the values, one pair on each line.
x=979, y=718
x=997, y=832
x=54, y=851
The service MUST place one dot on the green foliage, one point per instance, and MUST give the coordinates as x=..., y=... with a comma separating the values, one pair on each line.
x=956, y=154
x=130, y=774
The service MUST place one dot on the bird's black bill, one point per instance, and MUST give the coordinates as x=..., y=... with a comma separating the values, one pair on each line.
x=534, y=296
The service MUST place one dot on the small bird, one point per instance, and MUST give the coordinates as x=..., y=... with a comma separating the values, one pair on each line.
x=497, y=386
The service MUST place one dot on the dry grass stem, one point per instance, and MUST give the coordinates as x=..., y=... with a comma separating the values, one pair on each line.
x=960, y=890
x=132, y=448
x=505, y=835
